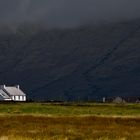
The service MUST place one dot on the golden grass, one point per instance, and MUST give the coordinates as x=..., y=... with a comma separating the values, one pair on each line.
x=69, y=128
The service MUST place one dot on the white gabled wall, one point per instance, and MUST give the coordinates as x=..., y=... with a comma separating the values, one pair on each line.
x=18, y=98
x=15, y=98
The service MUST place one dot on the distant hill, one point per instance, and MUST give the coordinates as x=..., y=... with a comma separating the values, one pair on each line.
x=84, y=63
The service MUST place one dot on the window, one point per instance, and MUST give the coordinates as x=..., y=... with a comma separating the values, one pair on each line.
x=24, y=98
x=16, y=98
x=13, y=97
x=20, y=98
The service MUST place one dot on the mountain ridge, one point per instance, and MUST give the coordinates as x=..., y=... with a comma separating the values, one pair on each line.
x=84, y=63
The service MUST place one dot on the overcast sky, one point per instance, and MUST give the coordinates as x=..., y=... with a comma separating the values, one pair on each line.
x=67, y=13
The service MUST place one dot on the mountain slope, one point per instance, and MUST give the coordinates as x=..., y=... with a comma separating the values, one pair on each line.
x=83, y=63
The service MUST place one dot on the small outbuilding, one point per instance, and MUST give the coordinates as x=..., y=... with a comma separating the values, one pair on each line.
x=119, y=100
x=11, y=93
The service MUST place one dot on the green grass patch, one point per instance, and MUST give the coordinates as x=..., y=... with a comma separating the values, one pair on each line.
x=70, y=109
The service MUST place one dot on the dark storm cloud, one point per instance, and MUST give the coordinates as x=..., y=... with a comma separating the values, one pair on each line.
x=67, y=13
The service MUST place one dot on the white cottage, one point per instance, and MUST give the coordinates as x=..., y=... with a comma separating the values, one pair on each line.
x=11, y=93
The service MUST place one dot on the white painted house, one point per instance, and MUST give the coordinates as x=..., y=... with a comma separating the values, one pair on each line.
x=11, y=93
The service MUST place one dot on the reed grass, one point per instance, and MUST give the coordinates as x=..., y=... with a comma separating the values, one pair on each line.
x=69, y=128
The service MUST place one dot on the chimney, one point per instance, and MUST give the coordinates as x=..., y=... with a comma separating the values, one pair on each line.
x=17, y=86
x=2, y=86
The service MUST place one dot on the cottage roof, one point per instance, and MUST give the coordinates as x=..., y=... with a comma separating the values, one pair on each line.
x=4, y=95
x=14, y=91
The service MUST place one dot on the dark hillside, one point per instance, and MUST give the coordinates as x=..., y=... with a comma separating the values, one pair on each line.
x=73, y=64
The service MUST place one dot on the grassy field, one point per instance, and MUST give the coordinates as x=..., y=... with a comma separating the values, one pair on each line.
x=70, y=109
x=41, y=121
